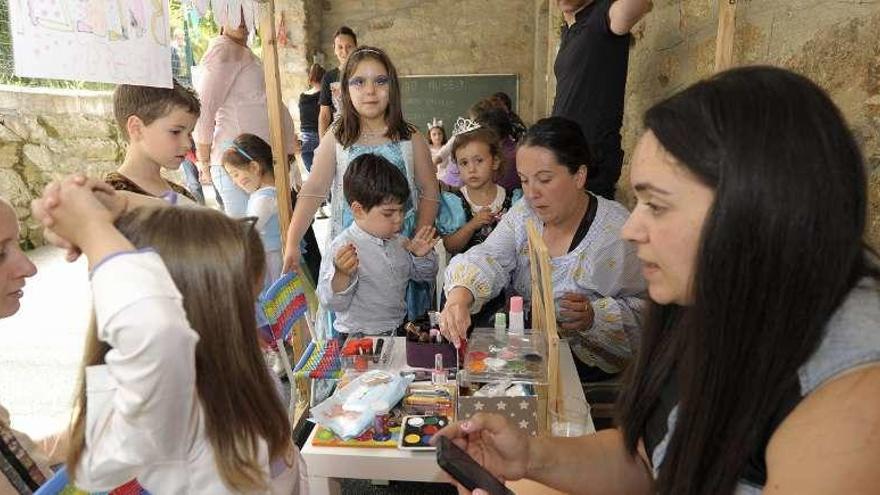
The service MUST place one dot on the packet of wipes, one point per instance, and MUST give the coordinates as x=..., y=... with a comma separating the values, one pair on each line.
x=351, y=409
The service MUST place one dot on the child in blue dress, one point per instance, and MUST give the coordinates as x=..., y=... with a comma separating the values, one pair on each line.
x=371, y=122
x=248, y=161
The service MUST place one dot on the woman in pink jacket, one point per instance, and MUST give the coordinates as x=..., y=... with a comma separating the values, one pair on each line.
x=232, y=90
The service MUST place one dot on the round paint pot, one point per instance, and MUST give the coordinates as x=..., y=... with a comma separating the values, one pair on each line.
x=477, y=366
x=496, y=364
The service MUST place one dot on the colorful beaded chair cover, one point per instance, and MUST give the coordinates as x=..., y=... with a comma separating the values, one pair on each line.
x=321, y=359
x=280, y=306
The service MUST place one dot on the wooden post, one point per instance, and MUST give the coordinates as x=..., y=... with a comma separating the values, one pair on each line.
x=544, y=319
x=282, y=184
x=276, y=129
x=724, y=38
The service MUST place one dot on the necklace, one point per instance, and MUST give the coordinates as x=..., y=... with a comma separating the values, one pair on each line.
x=374, y=133
x=495, y=204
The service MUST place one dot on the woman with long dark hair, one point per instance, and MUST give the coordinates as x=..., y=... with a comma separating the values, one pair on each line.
x=758, y=369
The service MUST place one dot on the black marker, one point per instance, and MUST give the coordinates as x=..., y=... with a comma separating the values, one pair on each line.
x=378, y=352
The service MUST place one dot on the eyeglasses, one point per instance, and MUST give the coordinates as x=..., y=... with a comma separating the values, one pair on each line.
x=361, y=82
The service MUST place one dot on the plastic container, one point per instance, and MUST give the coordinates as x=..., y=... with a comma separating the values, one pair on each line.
x=378, y=358
x=515, y=357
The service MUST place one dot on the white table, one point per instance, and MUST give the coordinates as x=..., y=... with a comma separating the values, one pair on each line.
x=327, y=464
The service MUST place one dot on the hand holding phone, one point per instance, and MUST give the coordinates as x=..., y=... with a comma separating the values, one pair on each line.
x=467, y=471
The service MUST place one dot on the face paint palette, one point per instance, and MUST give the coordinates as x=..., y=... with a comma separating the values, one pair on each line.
x=416, y=431
x=493, y=357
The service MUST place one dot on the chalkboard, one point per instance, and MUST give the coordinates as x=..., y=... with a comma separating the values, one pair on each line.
x=449, y=97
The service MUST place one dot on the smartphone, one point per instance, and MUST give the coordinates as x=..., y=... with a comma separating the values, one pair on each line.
x=465, y=470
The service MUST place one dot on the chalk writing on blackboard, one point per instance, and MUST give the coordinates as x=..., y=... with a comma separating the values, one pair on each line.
x=449, y=97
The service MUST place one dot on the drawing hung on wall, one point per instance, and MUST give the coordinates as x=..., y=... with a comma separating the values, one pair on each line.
x=112, y=41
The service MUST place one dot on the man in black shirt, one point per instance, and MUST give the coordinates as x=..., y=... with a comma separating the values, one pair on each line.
x=590, y=73
x=344, y=42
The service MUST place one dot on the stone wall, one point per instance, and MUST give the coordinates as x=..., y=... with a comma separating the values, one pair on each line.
x=45, y=134
x=302, y=20
x=446, y=37
x=835, y=44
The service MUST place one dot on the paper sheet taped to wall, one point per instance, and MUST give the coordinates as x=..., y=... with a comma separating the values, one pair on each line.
x=111, y=41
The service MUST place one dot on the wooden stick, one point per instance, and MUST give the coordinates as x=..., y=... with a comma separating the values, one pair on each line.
x=544, y=317
x=726, y=32
x=276, y=129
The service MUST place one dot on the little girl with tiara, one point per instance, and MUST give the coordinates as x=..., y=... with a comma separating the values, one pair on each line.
x=436, y=140
x=371, y=121
x=248, y=161
x=478, y=156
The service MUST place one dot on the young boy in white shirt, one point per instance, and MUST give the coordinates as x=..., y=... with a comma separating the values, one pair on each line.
x=366, y=270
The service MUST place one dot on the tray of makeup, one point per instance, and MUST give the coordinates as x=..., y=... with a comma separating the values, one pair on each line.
x=493, y=356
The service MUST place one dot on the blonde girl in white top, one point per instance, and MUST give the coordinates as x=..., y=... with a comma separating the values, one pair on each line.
x=174, y=391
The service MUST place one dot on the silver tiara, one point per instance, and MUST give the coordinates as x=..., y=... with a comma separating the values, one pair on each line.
x=434, y=123
x=463, y=125
x=368, y=50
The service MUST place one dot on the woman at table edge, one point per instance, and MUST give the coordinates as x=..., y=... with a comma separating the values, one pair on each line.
x=761, y=352
x=596, y=278
x=16, y=448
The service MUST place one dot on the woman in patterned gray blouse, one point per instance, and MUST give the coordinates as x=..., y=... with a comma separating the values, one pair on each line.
x=596, y=281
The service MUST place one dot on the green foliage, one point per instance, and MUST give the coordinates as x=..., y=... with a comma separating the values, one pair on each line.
x=200, y=34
